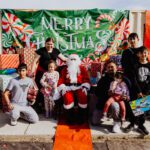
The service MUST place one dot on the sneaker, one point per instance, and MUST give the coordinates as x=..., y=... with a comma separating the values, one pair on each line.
x=13, y=122
x=104, y=118
x=143, y=130
x=122, y=122
x=116, y=127
x=129, y=128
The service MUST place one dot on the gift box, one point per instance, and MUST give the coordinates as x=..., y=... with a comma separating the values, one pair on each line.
x=95, y=67
x=26, y=55
x=32, y=93
x=9, y=61
x=4, y=80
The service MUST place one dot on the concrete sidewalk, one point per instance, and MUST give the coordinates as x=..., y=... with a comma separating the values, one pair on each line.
x=44, y=131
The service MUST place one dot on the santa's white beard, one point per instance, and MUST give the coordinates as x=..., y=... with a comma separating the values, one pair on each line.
x=73, y=70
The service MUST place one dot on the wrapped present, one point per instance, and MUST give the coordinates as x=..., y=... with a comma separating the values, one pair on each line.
x=9, y=61
x=26, y=56
x=32, y=93
x=4, y=80
x=95, y=67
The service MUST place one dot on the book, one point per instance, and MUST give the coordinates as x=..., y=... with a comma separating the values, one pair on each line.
x=140, y=105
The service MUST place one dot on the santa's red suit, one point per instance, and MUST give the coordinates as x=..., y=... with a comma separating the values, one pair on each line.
x=76, y=86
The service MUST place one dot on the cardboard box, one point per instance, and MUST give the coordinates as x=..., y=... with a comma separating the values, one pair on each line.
x=9, y=61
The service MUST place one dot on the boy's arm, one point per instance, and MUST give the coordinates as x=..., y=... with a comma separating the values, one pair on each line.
x=7, y=99
x=7, y=94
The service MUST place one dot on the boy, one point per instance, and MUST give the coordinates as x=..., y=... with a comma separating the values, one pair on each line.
x=129, y=57
x=141, y=84
x=128, y=62
x=18, y=104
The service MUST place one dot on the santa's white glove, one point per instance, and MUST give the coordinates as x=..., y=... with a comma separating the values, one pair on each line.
x=84, y=90
x=65, y=89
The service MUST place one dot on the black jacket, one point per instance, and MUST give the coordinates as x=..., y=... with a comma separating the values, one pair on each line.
x=128, y=62
x=102, y=90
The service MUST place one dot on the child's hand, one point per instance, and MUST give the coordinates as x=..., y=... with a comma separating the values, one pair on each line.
x=48, y=86
x=124, y=97
x=140, y=95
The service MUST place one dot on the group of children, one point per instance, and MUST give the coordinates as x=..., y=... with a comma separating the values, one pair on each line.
x=118, y=92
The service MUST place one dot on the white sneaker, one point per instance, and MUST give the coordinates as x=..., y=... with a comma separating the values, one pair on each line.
x=116, y=127
x=13, y=122
x=104, y=118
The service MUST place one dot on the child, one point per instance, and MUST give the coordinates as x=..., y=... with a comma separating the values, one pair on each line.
x=49, y=82
x=17, y=103
x=141, y=86
x=119, y=92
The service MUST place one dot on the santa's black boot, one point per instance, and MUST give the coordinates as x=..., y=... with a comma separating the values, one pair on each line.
x=82, y=115
x=70, y=116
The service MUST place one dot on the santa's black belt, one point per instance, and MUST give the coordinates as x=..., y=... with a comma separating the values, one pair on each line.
x=73, y=84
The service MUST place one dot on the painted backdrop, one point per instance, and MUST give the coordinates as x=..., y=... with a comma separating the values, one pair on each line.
x=94, y=34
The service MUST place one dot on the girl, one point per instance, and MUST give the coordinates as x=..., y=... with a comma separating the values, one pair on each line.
x=119, y=92
x=49, y=82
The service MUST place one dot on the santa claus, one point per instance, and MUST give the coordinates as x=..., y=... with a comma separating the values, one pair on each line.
x=73, y=85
